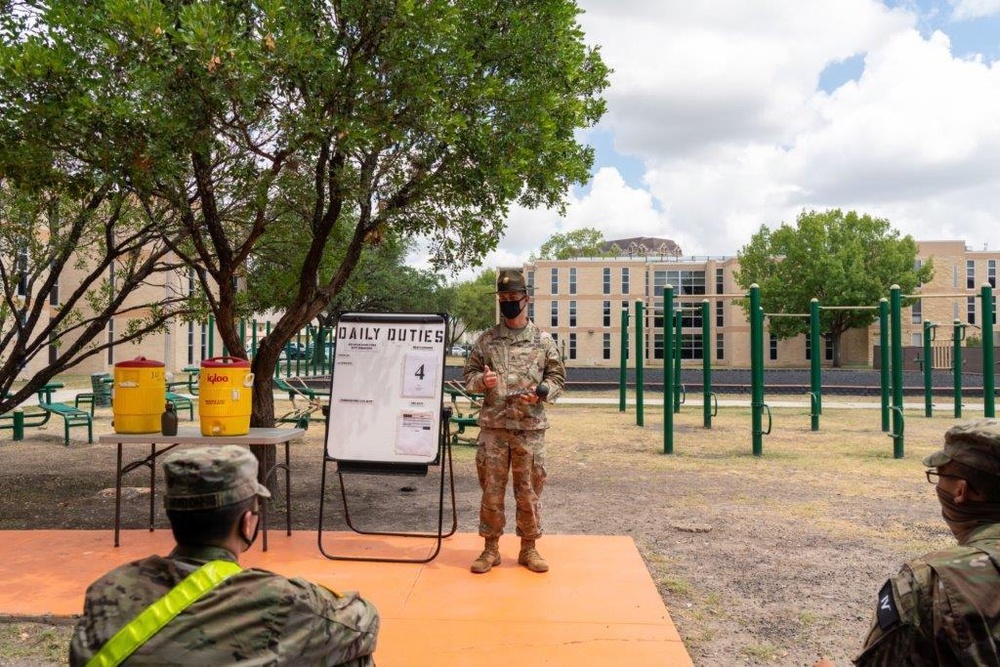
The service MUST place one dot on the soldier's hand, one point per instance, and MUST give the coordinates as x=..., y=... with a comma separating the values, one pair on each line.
x=489, y=377
x=529, y=396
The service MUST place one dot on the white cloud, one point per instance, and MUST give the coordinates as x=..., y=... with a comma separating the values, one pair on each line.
x=719, y=101
x=972, y=9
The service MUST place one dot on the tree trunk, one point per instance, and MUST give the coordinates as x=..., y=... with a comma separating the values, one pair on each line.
x=262, y=415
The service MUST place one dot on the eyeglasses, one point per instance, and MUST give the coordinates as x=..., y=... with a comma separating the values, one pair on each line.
x=932, y=476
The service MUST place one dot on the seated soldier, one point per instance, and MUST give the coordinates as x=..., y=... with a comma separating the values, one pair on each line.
x=236, y=615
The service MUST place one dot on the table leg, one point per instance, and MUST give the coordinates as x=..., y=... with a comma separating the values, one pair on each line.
x=288, y=491
x=118, y=495
x=152, y=485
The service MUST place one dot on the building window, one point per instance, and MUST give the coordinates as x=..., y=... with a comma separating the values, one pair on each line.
x=190, y=343
x=606, y=347
x=691, y=316
x=531, y=311
x=991, y=272
x=572, y=346
x=625, y=280
x=555, y=314
x=606, y=280
x=555, y=281
x=686, y=283
x=970, y=309
x=917, y=263
x=954, y=276
x=530, y=278
x=917, y=312
x=22, y=272
x=720, y=314
x=657, y=345
x=773, y=347
x=720, y=282
x=572, y=280
x=691, y=346
x=828, y=347
x=970, y=274
x=916, y=339
x=607, y=313
x=720, y=346
x=572, y=313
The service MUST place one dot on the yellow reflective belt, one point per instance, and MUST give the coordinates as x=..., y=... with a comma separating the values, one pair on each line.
x=152, y=619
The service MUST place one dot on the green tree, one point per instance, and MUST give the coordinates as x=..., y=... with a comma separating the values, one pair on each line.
x=584, y=242
x=334, y=122
x=840, y=259
x=475, y=303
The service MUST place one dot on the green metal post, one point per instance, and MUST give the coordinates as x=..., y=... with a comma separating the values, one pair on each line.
x=895, y=305
x=243, y=332
x=989, y=369
x=883, y=337
x=815, y=372
x=668, y=380
x=929, y=328
x=706, y=363
x=639, y=325
x=957, y=336
x=756, y=369
x=675, y=355
x=623, y=362
x=19, y=423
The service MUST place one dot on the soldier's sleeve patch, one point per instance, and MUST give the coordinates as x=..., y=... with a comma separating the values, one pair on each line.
x=886, y=613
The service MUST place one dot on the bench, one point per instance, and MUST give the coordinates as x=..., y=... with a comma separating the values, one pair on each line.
x=181, y=402
x=100, y=394
x=71, y=417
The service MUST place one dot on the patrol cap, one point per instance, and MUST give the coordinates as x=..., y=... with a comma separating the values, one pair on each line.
x=973, y=443
x=511, y=280
x=202, y=478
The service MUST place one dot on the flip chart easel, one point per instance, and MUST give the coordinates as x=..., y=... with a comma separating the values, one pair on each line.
x=386, y=415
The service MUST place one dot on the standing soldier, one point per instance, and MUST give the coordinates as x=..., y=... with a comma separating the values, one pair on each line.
x=517, y=367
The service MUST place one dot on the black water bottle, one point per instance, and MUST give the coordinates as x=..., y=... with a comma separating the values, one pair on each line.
x=168, y=420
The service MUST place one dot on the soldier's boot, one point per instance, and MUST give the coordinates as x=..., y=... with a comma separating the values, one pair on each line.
x=529, y=557
x=489, y=557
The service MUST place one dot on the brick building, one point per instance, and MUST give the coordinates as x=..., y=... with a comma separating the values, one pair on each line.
x=580, y=302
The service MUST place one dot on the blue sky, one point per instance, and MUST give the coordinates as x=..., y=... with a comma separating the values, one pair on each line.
x=725, y=115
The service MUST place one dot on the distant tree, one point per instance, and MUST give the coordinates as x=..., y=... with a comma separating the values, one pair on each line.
x=475, y=303
x=842, y=259
x=584, y=242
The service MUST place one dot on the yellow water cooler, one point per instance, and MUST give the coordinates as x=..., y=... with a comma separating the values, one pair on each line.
x=139, y=395
x=225, y=391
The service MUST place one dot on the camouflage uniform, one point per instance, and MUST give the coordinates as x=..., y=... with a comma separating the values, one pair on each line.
x=944, y=608
x=511, y=436
x=254, y=616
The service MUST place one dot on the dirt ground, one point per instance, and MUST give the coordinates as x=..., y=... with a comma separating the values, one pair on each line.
x=760, y=560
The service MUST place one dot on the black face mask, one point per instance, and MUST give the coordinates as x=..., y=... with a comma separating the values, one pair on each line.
x=511, y=309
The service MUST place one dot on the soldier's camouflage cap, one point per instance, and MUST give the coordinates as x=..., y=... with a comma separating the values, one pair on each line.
x=511, y=280
x=974, y=443
x=202, y=478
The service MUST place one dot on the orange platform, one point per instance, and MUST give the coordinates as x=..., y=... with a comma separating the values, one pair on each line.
x=597, y=605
